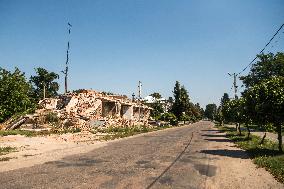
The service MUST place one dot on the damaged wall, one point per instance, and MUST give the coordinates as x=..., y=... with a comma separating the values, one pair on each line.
x=89, y=109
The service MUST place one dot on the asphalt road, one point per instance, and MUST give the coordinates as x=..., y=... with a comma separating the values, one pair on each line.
x=165, y=159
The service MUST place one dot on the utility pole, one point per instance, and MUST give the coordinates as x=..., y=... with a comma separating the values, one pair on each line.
x=139, y=97
x=133, y=97
x=234, y=84
x=139, y=89
x=65, y=72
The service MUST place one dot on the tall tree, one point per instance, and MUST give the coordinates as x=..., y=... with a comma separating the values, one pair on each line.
x=15, y=93
x=181, y=107
x=210, y=111
x=44, y=83
x=221, y=115
x=177, y=101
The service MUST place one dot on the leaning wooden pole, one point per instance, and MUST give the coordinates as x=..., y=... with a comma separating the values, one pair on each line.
x=65, y=72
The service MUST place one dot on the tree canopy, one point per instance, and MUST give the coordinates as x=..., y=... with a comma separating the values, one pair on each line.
x=210, y=111
x=45, y=79
x=15, y=93
x=267, y=66
x=262, y=101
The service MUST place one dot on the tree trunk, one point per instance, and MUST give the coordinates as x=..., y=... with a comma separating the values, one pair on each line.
x=279, y=131
x=247, y=126
x=239, y=128
x=222, y=123
x=262, y=140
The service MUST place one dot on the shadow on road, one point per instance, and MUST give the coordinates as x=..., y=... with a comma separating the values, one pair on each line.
x=218, y=140
x=229, y=153
x=212, y=130
x=206, y=135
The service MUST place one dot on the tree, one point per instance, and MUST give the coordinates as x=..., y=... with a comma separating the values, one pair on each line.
x=181, y=104
x=15, y=94
x=177, y=101
x=158, y=109
x=269, y=103
x=268, y=66
x=220, y=111
x=156, y=95
x=44, y=80
x=210, y=111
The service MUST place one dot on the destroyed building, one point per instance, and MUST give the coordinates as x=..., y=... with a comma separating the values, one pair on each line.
x=89, y=109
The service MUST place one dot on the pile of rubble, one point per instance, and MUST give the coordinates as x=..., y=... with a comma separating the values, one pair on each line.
x=89, y=109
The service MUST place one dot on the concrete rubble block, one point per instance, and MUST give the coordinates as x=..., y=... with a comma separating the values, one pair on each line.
x=90, y=109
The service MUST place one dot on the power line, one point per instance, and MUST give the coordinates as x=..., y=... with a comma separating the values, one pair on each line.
x=262, y=49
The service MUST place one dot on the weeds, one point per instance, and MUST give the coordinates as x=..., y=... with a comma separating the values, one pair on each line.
x=264, y=155
x=6, y=150
x=121, y=132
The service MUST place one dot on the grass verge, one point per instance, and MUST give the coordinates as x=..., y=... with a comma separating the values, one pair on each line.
x=6, y=150
x=36, y=133
x=120, y=132
x=264, y=155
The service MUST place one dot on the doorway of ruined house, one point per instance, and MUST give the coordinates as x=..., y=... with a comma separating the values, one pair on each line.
x=108, y=109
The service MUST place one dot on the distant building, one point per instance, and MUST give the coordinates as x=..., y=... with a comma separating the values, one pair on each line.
x=148, y=100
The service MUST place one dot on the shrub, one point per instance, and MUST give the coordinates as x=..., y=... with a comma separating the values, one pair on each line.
x=51, y=117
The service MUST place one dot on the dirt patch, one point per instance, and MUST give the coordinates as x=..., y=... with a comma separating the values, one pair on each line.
x=38, y=150
x=207, y=170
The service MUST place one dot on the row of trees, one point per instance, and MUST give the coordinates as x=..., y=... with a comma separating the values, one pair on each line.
x=18, y=95
x=262, y=101
x=179, y=108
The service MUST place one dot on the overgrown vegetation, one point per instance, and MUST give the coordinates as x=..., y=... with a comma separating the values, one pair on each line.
x=182, y=108
x=262, y=101
x=6, y=150
x=19, y=96
x=15, y=94
x=264, y=155
x=51, y=118
x=121, y=132
x=38, y=133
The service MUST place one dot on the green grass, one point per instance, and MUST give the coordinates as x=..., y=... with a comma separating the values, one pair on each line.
x=21, y=132
x=265, y=155
x=120, y=132
x=37, y=133
x=6, y=150
x=5, y=158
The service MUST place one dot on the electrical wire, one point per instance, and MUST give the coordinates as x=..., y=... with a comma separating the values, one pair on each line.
x=262, y=49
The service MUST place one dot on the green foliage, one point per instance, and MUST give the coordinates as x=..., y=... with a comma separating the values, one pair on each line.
x=170, y=117
x=51, y=117
x=267, y=66
x=47, y=79
x=210, y=111
x=156, y=95
x=267, y=103
x=182, y=106
x=15, y=94
x=274, y=164
x=264, y=155
x=157, y=106
x=221, y=115
x=121, y=132
x=20, y=132
x=268, y=98
x=6, y=150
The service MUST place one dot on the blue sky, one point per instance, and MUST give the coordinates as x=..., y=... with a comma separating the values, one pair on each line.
x=116, y=43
